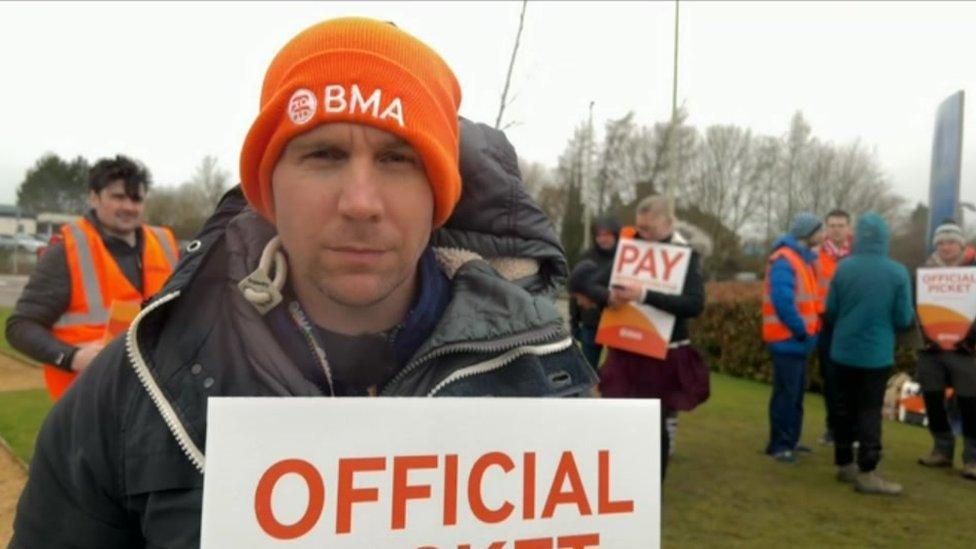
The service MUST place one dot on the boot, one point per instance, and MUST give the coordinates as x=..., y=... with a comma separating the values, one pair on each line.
x=969, y=471
x=872, y=483
x=935, y=459
x=847, y=473
x=943, y=450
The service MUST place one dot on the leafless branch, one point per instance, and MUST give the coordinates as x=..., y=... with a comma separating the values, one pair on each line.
x=511, y=65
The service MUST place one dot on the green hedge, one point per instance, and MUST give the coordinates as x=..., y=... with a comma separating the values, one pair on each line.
x=728, y=335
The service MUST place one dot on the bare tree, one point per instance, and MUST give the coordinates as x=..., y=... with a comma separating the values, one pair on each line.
x=795, y=147
x=185, y=208
x=617, y=165
x=728, y=173
x=211, y=180
x=511, y=65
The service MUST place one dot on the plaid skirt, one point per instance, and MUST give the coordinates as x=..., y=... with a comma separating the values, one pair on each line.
x=680, y=380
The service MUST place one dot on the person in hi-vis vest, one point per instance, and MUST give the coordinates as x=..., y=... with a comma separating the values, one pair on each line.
x=791, y=322
x=106, y=256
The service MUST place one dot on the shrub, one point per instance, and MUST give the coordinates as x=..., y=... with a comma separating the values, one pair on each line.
x=729, y=335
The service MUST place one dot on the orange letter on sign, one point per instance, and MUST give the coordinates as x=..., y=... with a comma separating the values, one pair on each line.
x=347, y=494
x=669, y=262
x=581, y=541
x=528, y=485
x=628, y=254
x=262, y=499
x=450, y=489
x=605, y=506
x=403, y=491
x=478, y=507
x=537, y=543
x=566, y=470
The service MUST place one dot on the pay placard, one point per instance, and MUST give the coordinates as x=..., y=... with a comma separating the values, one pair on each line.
x=452, y=473
x=640, y=328
x=946, y=303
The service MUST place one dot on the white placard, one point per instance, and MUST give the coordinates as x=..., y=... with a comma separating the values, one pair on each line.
x=946, y=303
x=444, y=473
x=637, y=327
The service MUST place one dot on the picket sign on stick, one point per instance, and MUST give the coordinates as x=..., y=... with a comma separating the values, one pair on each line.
x=639, y=328
x=946, y=302
x=442, y=473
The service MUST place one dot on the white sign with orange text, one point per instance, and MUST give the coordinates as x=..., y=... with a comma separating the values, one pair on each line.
x=441, y=473
x=946, y=303
x=636, y=327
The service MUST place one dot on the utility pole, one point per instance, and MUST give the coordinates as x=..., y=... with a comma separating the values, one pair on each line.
x=588, y=183
x=16, y=240
x=673, y=181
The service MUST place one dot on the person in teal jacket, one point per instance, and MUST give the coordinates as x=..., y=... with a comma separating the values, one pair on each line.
x=870, y=298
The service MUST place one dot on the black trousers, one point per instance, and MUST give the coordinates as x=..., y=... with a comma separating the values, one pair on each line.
x=860, y=397
x=828, y=375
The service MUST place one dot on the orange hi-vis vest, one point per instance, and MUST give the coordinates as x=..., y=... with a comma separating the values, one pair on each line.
x=825, y=267
x=97, y=281
x=805, y=294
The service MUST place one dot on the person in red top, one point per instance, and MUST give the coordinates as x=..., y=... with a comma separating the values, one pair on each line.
x=835, y=247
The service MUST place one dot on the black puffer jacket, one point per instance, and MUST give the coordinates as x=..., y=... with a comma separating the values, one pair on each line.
x=496, y=218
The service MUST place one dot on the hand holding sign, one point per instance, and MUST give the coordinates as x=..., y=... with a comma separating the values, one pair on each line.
x=623, y=293
x=628, y=324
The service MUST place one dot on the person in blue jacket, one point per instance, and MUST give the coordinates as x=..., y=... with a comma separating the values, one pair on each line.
x=791, y=322
x=870, y=298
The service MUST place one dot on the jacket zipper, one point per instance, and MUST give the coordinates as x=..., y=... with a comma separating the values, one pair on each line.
x=303, y=324
x=522, y=343
x=166, y=410
x=501, y=361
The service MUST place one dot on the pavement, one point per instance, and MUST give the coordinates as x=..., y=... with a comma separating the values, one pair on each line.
x=10, y=288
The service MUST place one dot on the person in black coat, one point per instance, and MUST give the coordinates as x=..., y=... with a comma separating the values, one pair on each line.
x=589, y=287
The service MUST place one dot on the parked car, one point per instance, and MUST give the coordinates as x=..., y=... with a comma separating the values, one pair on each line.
x=30, y=243
x=7, y=243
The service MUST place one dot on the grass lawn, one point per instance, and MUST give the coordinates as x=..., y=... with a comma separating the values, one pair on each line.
x=21, y=414
x=721, y=491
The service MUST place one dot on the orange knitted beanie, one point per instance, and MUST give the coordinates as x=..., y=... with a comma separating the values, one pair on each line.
x=361, y=71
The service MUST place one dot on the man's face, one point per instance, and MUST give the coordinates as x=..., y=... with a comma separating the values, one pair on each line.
x=354, y=210
x=654, y=226
x=816, y=238
x=118, y=212
x=949, y=251
x=838, y=230
x=605, y=239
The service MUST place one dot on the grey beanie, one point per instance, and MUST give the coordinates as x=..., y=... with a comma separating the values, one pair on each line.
x=804, y=224
x=948, y=230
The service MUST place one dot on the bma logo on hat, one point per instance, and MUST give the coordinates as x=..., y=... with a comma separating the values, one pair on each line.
x=301, y=106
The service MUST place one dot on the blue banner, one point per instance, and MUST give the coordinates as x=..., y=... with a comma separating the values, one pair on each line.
x=946, y=164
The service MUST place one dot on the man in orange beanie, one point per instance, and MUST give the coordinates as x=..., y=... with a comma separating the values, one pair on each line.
x=324, y=283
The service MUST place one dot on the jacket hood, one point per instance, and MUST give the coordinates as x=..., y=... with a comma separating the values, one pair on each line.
x=696, y=238
x=496, y=218
x=605, y=223
x=872, y=235
x=789, y=241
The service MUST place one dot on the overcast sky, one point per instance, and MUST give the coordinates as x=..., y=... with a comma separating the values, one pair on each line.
x=170, y=83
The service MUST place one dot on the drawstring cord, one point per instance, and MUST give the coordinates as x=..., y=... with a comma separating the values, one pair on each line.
x=259, y=288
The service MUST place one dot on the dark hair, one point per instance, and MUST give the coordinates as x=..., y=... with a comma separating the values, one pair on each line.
x=132, y=173
x=839, y=213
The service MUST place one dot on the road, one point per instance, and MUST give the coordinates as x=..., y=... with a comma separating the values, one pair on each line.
x=10, y=288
